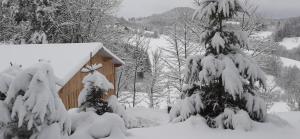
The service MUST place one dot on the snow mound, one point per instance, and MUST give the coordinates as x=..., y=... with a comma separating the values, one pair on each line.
x=149, y=117
x=242, y=121
x=290, y=43
x=118, y=109
x=277, y=121
x=279, y=107
x=89, y=125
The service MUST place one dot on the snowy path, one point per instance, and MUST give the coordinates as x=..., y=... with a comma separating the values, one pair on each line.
x=195, y=128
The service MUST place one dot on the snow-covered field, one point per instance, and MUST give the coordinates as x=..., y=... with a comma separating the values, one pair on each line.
x=196, y=128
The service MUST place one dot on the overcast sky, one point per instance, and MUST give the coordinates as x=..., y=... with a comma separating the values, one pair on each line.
x=269, y=8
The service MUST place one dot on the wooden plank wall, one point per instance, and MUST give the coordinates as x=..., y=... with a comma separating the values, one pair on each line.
x=70, y=92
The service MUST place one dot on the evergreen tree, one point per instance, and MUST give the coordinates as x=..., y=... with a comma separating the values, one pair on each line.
x=96, y=86
x=223, y=83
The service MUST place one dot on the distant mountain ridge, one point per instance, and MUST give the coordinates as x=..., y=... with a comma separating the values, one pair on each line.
x=167, y=18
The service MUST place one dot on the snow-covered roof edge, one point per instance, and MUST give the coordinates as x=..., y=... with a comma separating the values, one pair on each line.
x=116, y=59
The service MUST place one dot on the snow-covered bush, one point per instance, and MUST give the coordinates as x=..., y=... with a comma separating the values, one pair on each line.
x=36, y=111
x=224, y=79
x=241, y=120
x=89, y=125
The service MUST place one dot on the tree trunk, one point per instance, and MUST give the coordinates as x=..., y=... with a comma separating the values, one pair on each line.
x=134, y=84
x=119, y=80
x=151, y=105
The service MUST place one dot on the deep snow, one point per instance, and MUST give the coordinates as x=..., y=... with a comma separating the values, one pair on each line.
x=195, y=128
x=279, y=107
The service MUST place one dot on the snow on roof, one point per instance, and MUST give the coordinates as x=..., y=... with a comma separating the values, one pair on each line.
x=66, y=59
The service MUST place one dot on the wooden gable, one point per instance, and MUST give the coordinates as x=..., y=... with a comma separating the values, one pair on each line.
x=70, y=91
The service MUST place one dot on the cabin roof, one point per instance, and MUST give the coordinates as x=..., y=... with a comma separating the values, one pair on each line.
x=66, y=59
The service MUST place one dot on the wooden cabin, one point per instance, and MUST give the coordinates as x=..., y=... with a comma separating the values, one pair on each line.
x=70, y=91
x=67, y=61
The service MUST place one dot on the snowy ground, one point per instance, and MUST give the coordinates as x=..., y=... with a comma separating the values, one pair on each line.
x=196, y=128
x=279, y=107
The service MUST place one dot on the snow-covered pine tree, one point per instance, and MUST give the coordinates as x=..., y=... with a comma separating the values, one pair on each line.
x=34, y=107
x=222, y=84
x=96, y=86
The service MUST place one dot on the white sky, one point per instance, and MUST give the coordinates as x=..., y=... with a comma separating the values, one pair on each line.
x=141, y=8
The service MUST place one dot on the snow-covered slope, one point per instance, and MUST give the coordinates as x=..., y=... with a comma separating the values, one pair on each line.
x=290, y=43
x=279, y=107
x=157, y=43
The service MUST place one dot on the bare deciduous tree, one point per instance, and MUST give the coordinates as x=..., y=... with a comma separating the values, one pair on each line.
x=156, y=91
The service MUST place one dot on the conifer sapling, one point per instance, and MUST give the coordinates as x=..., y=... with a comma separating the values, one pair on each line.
x=95, y=88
